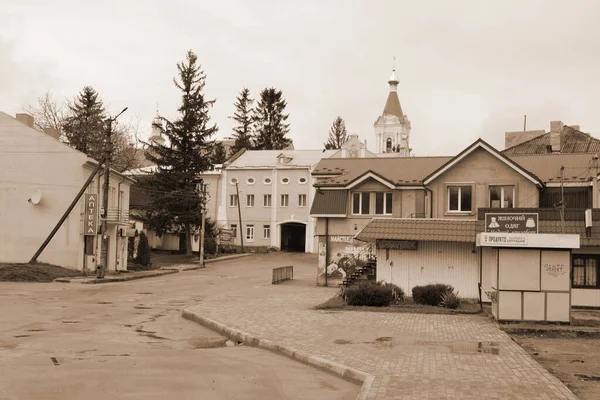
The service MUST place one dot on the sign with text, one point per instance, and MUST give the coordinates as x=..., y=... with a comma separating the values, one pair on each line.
x=503, y=240
x=90, y=218
x=511, y=222
x=397, y=244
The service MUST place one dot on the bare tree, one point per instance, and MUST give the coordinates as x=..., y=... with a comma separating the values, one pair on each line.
x=47, y=112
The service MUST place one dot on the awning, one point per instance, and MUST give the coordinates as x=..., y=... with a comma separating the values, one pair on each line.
x=329, y=203
x=423, y=229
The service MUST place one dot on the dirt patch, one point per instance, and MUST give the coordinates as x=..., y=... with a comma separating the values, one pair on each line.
x=573, y=360
x=34, y=272
x=408, y=306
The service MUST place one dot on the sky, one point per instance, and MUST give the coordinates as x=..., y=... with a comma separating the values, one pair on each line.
x=467, y=68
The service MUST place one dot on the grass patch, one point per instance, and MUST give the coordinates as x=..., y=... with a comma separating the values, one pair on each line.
x=34, y=272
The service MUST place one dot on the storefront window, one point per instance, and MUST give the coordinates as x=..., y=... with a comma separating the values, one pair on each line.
x=585, y=271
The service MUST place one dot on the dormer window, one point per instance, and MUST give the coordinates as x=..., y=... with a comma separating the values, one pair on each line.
x=283, y=159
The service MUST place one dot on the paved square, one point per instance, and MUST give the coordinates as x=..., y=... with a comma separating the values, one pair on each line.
x=412, y=356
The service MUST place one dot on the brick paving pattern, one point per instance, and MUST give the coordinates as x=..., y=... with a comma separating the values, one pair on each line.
x=411, y=356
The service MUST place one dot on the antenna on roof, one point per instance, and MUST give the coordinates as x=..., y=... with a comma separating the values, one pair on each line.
x=524, y=122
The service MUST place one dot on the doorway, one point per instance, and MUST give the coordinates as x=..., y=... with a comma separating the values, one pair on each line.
x=293, y=237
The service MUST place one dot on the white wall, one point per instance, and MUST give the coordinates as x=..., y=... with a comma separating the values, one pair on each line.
x=433, y=262
x=585, y=297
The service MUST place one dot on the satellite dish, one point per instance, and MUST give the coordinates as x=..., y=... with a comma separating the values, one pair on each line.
x=36, y=197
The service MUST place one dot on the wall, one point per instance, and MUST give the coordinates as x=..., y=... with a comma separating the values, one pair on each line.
x=456, y=264
x=481, y=169
x=585, y=297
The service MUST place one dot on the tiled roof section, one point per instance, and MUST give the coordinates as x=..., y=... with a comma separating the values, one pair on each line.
x=574, y=142
x=401, y=171
x=549, y=222
x=443, y=230
x=547, y=166
x=268, y=158
x=329, y=202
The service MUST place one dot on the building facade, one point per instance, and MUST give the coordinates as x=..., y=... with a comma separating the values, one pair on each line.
x=39, y=178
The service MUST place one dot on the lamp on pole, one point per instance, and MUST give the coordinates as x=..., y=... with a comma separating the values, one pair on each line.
x=101, y=270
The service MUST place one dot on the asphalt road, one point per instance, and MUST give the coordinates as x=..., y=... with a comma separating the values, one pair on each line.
x=127, y=340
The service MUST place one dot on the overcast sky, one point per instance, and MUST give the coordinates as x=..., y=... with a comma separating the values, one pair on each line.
x=467, y=69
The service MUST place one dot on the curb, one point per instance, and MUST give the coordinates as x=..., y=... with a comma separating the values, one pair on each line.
x=214, y=260
x=129, y=278
x=347, y=373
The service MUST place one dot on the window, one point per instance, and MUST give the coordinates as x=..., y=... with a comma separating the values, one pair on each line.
x=234, y=229
x=585, y=271
x=502, y=196
x=285, y=181
x=302, y=181
x=267, y=231
x=267, y=200
x=361, y=203
x=459, y=198
x=250, y=181
x=233, y=200
x=285, y=200
x=383, y=203
x=301, y=200
x=388, y=145
x=250, y=200
x=233, y=181
x=267, y=181
x=250, y=233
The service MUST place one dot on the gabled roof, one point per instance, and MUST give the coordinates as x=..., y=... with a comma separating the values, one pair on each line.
x=482, y=144
x=399, y=171
x=573, y=142
x=578, y=167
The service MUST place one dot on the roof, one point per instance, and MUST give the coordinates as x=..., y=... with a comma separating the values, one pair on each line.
x=392, y=106
x=549, y=222
x=573, y=142
x=482, y=144
x=400, y=171
x=444, y=230
x=268, y=158
x=329, y=203
x=547, y=166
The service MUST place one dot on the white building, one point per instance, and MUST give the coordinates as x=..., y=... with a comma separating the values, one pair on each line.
x=39, y=178
x=392, y=127
x=275, y=193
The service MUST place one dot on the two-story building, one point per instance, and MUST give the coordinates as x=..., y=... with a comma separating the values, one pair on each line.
x=39, y=178
x=419, y=215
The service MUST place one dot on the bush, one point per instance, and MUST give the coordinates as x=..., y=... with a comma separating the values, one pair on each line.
x=143, y=251
x=397, y=293
x=369, y=293
x=450, y=300
x=431, y=294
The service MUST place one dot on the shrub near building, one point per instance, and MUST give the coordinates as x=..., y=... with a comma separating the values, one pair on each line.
x=369, y=293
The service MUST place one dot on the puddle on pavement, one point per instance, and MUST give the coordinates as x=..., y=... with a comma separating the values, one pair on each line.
x=143, y=307
x=104, y=302
x=207, y=343
x=476, y=347
x=342, y=341
x=71, y=322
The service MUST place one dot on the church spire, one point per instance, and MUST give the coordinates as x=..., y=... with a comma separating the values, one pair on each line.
x=392, y=105
x=393, y=81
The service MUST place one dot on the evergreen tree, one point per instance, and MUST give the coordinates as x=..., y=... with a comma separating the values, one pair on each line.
x=84, y=126
x=243, y=115
x=219, y=153
x=187, y=153
x=269, y=119
x=337, y=135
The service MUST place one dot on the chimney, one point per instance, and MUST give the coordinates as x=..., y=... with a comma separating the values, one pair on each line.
x=55, y=133
x=25, y=119
x=556, y=136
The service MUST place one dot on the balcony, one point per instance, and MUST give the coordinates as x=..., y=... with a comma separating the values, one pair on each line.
x=117, y=216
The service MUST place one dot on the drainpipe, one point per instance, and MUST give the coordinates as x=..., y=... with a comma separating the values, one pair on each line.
x=326, y=247
x=430, y=201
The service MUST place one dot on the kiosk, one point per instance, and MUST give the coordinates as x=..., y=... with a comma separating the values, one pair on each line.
x=527, y=275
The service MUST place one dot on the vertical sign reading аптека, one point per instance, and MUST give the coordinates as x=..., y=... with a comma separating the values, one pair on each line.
x=90, y=218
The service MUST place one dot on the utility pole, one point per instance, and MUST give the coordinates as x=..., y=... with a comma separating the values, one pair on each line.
x=562, y=204
x=202, y=228
x=237, y=190
x=100, y=272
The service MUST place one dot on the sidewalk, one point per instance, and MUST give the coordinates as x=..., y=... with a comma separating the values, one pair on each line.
x=400, y=356
x=132, y=275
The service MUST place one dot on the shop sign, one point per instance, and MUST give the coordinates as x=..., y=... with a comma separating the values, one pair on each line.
x=511, y=222
x=397, y=244
x=505, y=240
x=90, y=218
x=341, y=239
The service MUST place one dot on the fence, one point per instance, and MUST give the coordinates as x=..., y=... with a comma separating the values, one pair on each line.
x=282, y=274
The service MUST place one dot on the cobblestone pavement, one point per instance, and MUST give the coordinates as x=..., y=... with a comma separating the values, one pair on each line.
x=412, y=356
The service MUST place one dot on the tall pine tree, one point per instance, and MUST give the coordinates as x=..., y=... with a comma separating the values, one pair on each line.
x=84, y=126
x=187, y=153
x=337, y=135
x=269, y=119
x=243, y=115
x=219, y=153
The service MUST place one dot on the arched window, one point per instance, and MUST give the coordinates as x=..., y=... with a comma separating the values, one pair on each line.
x=388, y=145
